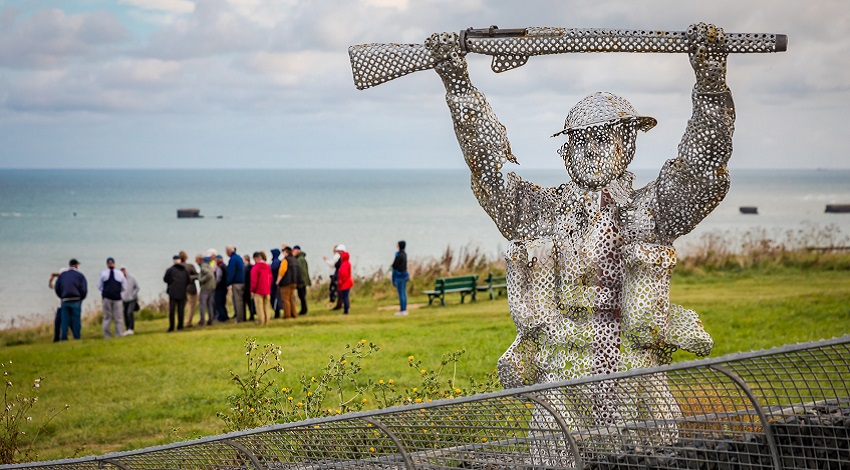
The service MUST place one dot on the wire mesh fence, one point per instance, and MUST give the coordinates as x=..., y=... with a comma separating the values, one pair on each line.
x=783, y=408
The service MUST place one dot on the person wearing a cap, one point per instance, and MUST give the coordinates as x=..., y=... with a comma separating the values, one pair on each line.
x=177, y=280
x=304, y=278
x=589, y=261
x=71, y=287
x=111, y=285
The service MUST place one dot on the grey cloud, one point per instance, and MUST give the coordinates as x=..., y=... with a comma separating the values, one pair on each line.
x=50, y=38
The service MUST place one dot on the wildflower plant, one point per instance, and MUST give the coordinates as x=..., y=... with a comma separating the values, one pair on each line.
x=16, y=420
x=337, y=389
x=257, y=401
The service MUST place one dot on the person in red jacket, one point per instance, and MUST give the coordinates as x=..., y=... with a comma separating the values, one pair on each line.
x=345, y=281
x=261, y=282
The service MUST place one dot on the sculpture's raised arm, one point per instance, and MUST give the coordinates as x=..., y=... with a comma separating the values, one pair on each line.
x=692, y=185
x=482, y=138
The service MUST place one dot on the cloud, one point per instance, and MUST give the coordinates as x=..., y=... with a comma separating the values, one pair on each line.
x=172, y=6
x=280, y=67
x=50, y=37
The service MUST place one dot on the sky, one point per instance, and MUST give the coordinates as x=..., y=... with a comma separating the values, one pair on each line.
x=267, y=83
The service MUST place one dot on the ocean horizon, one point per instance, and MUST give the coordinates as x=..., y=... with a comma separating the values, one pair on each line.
x=50, y=216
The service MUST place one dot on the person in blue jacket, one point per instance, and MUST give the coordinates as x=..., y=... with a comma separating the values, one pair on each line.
x=236, y=281
x=72, y=288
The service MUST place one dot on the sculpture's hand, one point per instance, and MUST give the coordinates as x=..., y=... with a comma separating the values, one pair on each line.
x=707, y=57
x=445, y=49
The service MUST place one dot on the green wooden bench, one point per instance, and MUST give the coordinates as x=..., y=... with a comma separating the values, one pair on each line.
x=463, y=284
x=494, y=285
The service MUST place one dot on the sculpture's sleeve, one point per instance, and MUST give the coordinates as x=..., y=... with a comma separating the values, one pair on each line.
x=693, y=184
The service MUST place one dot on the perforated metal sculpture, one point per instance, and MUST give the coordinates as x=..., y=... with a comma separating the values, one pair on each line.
x=589, y=262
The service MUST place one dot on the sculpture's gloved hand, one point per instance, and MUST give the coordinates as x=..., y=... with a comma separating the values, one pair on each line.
x=445, y=49
x=708, y=57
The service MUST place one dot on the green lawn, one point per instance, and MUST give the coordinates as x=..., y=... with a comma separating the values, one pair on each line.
x=135, y=391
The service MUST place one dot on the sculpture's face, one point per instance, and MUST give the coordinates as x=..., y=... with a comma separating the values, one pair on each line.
x=597, y=155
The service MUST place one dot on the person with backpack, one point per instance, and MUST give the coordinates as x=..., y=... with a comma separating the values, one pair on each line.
x=111, y=284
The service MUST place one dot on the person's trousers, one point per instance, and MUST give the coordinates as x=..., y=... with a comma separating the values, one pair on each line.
x=401, y=287
x=302, y=298
x=343, y=297
x=113, y=312
x=191, y=303
x=130, y=314
x=250, y=306
x=237, y=296
x=274, y=298
x=287, y=298
x=206, y=305
x=261, y=302
x=71, y=312
x=221, y=305
x=57, y=324
x=176, y=306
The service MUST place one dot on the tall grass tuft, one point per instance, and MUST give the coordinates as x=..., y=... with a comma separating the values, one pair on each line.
x=808, y=247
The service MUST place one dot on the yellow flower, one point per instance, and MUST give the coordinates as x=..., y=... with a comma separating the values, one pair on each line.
x=409, y=358
x=364, y=400
x=312, y=379
x=371, y=449
x=344, y=362
x=415, y=389
x=289, y=398
x=391, y=381
x=252, y=410
x=283, y=390
x=362, y=341
x=368, y=425
x=418, y=400
x=309, y=394
x=381, y=382
x=422, y=371
x=300, y=404
x=483, y=439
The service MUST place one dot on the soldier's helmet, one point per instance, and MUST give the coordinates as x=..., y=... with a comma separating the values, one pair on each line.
x=603, y=108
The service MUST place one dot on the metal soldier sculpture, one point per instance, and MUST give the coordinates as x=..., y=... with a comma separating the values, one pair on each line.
x=589, y=262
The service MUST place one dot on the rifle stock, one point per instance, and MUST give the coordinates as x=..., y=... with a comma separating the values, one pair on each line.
x=373, y=64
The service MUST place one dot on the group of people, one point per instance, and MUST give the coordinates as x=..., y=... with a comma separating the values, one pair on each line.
x=258, y=287
x=119, y=299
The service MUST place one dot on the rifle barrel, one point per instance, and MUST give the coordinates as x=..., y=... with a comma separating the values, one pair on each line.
x=373, y=64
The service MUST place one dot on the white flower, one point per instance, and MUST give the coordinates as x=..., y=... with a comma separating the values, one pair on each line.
x=29, y=418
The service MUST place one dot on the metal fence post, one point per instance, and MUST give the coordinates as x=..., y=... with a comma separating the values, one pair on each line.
x=768, y=431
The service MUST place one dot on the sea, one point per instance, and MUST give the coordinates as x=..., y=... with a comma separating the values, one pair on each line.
x=50, y=216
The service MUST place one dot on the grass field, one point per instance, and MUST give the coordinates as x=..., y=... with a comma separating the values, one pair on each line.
x=154, y=387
